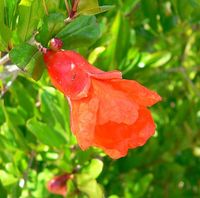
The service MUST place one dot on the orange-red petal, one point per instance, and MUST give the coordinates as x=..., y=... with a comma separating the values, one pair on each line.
x=140, y=94
x=114, y=105
x=83, y=120
x=115, y=139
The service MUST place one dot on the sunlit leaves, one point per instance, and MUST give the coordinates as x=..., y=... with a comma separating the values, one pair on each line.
x=86, y=179
x=119, y=40
x=153, y=42
x=45, y=134
x=30, y=13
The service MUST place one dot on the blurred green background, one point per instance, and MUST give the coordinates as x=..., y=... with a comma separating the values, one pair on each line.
x=156, y=42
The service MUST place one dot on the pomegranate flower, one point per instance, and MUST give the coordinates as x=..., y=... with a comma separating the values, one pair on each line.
x=106, y=111
x=58, y=185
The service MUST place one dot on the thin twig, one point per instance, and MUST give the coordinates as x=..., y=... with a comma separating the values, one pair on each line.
x=45, y=7
x=4, y=59
x=26, y=173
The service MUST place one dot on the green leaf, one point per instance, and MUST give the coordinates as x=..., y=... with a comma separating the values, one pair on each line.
x=22, y=54
x=28, y=58
x=5, y=33
x=10, y=13
x=95, y=53
x=129, y=5
x=45, y=134
x=12, y=125
x=156, y=59
x=87, y=5
x=26, y=103
x=6, y=178
x=118, y=43
x=143, y=184
x=94, y=168
x=3, y=191
x=81, y=32
x=51, y=25
x=53, y=5
x=15, y=115
x=89, y=186
x=51, y=109
x=95, y=10
x=132, y=59
x=150, y=11
x=30, y=13
x=36, y=66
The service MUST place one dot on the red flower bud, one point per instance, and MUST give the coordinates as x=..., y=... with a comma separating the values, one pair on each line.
x=106, y=111
x=58, y=185
x=55, y=44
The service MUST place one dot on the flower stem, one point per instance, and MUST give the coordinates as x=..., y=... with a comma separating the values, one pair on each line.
x=75, y=5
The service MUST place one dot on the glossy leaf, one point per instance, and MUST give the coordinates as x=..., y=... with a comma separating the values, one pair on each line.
x=81, y=32
x=21, y=55
x=29, y=59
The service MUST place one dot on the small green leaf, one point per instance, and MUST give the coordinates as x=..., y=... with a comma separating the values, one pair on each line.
x=45, y=134
x=95, y=10
x=81, y=32
x=156, y=59
x=95, y=53
x=94, y=168
x=87, y=5
x=89, y=186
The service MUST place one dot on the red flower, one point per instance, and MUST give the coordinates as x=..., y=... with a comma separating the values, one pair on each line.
x=58, y=185
x=106, y=111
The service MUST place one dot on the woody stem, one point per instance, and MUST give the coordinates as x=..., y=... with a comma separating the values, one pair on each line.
x=75, y=5
x=4, y=59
